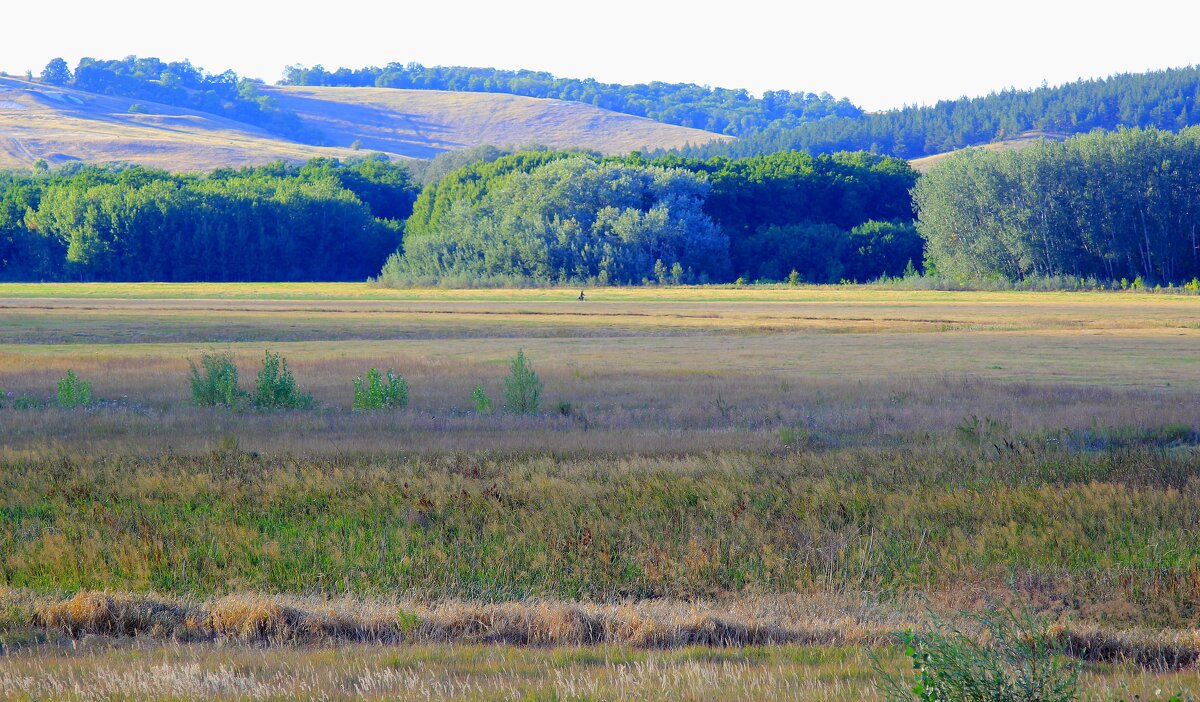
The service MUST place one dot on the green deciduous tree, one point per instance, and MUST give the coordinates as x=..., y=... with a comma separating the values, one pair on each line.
x=56, y=72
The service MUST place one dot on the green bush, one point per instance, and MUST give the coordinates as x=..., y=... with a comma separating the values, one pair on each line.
x=276, y=386
x=74, y=391
x=376, y=393
x=28, y=402
x=483, y=403
x=1009, y=656
x=215, y=382
x=3, y=398
x=522, y=388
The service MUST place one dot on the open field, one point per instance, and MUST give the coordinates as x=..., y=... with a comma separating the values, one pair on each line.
x=811, y=467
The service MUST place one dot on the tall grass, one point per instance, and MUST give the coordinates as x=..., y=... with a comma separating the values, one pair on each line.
x=504, y=526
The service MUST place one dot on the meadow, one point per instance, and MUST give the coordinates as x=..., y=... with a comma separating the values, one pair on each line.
x=741, y=492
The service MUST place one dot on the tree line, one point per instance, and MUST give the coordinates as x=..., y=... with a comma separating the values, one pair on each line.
x=326, y=220
x=1108, y=206
x=556, y=216
x=721, y=110
x=1168, y=99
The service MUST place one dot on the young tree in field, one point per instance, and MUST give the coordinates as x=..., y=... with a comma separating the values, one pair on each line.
x=522, y=387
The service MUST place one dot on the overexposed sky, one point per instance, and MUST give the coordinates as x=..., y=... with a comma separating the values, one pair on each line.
x=879, y=54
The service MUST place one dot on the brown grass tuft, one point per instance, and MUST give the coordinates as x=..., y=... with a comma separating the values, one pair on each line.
x=90, y=612
x=254, y=617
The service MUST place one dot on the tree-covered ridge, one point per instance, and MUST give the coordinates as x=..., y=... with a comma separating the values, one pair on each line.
x=1114, y=205
x=1168, y=99
x=721, y=110
x=181, y=84
x=562, y=216
x=325, y=220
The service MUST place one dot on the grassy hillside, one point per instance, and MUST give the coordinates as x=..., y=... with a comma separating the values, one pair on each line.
x=60, y=125
x=423, y=123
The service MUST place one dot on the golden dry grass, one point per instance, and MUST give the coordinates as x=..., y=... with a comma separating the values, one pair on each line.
x=350, y=649
x=731, y=622
x=871, y=446
x=61, y=125
x=423, y=123
x=710, y=368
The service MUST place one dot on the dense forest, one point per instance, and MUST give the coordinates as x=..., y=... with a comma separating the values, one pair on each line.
x=1114, y=205
x=561, y=216
x=1168, y=99
x=721, y=110
x=181, y=84
x=322, y=221
x=533, y=216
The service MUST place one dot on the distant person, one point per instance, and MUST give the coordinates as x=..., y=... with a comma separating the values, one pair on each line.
x=581, y=296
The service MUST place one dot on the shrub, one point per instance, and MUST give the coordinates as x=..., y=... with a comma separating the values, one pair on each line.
x=483, y=403
x=28, y=402
x=276, y=387
x=73, y=391
x=3, y=398
x=376, y=393
x=1014, y=656
x=215, y=382
x=522, y=388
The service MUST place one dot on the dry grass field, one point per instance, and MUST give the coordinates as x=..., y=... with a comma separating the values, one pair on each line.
x=61, y=125
x=424, y=123
x=736, y=493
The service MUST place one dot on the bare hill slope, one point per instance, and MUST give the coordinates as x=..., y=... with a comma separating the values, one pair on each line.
x=1016, y=143
x=59, y=125
x=424, y=123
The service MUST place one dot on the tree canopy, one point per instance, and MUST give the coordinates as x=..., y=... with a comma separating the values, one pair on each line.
x=1168, y=99
x=1104, y=205
x=573, y=218
x=280, y=222
x=552, y=216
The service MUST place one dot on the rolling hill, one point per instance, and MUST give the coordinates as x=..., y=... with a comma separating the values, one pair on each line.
x=62, y=125
x=424, y=123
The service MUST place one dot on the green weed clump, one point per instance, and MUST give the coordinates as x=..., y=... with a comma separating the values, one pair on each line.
x=522, y=387
x=483, y=403
x=375, y=392
x=276, y=386
x=215, y=382
x=1009, y=655
x=73, y=391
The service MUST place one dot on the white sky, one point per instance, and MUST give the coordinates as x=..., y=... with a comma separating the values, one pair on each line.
x=877, y=53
